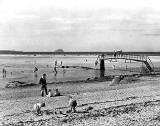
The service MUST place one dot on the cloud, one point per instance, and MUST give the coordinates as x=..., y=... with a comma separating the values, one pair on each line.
x=79, y=25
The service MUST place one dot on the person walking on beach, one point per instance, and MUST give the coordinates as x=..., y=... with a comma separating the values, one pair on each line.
x=43, y=83
x=35, y=69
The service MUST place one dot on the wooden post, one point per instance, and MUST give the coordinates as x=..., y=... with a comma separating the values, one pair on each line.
x=102, y=64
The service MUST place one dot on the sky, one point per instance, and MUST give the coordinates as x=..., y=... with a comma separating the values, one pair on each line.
x=80, y=25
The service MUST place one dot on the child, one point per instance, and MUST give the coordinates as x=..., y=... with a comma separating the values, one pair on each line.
x=37, y=107
x=57, y=93
x=50, y=94
x=72, y=104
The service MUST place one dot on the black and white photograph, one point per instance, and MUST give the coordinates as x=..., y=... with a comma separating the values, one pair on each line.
x=79, y=63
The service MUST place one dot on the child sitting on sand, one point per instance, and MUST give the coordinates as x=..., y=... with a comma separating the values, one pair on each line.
x=57, y=93
x=72, y=104
x=37, y=108
x=50, y=93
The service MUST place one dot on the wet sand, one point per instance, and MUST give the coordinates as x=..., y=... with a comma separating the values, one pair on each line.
x=20, y=68
x=123, y=104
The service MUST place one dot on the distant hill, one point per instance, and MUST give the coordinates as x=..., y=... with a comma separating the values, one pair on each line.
x=59, y=50
x=10, y=52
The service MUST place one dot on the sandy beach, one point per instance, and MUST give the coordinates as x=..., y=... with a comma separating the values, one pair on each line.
x=99, y=104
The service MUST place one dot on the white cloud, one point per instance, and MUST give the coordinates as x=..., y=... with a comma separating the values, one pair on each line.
x=77, y=24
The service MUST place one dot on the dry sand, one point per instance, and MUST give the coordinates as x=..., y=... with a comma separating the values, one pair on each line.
x=135, y=103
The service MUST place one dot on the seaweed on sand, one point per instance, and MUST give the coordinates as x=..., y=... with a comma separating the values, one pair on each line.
x=14, y=84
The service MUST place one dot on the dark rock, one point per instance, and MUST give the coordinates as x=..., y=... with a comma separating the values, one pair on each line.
x=59, y=50
x=89, y=108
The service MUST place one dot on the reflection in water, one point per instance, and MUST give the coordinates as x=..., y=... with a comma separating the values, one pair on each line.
x=4, y=76
x=55, y=75
x=96, y=73
x=35, y=77
x=55, y=69
x=64, y=71
x=99, y=73
x=102, y=73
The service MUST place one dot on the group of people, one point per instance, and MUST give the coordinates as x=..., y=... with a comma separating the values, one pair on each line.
x=118, y=53
x=37, y=107
x=51, y=94
x=4, y=73
x=72, y=104
x=56, y=63
x=55, y=67
x=43, y=84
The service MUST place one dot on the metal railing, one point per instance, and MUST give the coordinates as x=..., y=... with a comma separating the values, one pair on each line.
x=139, y=58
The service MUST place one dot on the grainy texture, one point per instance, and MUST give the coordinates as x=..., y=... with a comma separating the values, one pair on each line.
x=124, y=104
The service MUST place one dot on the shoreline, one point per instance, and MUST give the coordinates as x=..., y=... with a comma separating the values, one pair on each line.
x=16, y=84
x=11, y=52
